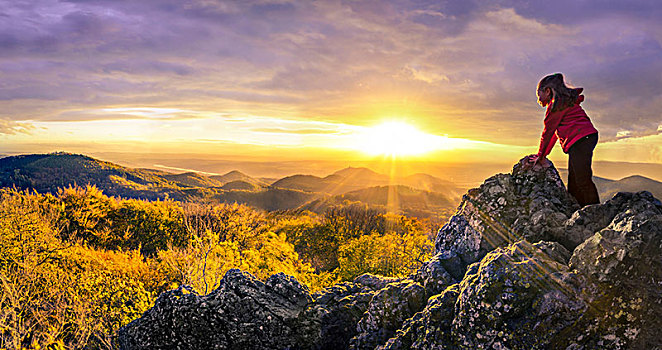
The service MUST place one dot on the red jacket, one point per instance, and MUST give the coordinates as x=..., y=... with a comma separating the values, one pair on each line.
x=568, y=125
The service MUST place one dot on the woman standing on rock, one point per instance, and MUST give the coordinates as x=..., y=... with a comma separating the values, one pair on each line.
x=566, y=120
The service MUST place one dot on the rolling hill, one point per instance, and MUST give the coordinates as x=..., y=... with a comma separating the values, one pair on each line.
x=194, y=180
x=417, y=195
x=240, y=185
x=47, y=173
x=353, y=179
x=235, y=175
x=329, y=185
x=398, y=198
x=608, y=188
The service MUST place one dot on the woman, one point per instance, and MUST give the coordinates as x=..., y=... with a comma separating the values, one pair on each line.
x=566, y=121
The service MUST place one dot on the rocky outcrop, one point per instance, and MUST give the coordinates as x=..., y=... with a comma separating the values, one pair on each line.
x=388, y=308
x=624, y=263
x=329, y=322
x=430, y=328
x=525, y=204
x=242, y=313
x=519, y=266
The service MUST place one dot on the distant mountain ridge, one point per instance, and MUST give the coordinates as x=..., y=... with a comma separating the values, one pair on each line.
x=419, y=194
x=194, y=180
x=353, y=179
x=397, y=198
x=49, y=172
x=236, y=175
x=607, y=188
x=416, y=195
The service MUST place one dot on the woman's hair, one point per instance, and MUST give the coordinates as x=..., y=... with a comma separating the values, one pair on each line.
x=563, y=96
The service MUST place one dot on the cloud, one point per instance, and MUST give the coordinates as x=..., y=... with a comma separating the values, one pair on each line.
x=571, y=12
x=298, y=131
x=463, y=68
x=126, y=114
x=146, y=67
x=10, y=127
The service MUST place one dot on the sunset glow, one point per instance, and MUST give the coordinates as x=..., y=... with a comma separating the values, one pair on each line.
x=398, y=139
x=301, y=78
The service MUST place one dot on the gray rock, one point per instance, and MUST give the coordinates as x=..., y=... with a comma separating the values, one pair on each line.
x=375, y=282
x=555, y=251
x=242, y=313
x=430, y=328
x=329, y=322
x=586, y=221
x=388, y=308
x=624, y=260
x=520, y=298
x=530, y=204
x=438, y=273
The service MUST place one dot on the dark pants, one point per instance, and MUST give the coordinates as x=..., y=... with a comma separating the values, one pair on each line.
x=580, y=182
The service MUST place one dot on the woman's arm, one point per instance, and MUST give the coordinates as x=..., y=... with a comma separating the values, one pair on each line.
x=548, y=137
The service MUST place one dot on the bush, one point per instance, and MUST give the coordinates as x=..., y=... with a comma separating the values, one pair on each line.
x=144, y=225
x=84, y=213
x=387, y=254
x=364, y=236
x=232, y=236
x=57, y=294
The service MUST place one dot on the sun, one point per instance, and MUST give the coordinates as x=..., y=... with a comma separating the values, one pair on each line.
x=397, y=138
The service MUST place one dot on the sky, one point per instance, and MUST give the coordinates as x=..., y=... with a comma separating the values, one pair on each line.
x=324, y=79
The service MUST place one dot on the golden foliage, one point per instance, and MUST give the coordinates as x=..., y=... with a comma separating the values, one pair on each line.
x=354, y=239
x=389, y=254
x=76, y=267
x=57, y=294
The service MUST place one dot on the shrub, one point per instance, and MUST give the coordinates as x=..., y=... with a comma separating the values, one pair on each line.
x=387, y=254
x=57, y=294
x=232, y=236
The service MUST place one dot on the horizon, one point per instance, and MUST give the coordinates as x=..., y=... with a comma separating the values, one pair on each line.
x=291, y=81
x=464, y=175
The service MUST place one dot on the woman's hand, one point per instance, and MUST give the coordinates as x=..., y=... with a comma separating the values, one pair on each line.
x=533, y=160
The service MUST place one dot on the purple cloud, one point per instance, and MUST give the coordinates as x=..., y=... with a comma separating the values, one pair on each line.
x=468, y=66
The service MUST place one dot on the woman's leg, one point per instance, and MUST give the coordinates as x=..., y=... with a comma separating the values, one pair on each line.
x=580, y=158
x=572, y=183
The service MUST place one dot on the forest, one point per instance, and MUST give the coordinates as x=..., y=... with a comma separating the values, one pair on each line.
x=76, y=265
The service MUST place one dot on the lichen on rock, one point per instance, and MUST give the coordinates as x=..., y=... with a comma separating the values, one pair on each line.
x=242, y=313
x=624, y=260
x=329, y=321
x=431, y=327
x=527, y=204
x=519, y=298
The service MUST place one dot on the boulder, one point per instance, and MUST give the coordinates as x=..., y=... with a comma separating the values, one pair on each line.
x=242, y=313
x=520, y=297
x=430, y=328
x=388, y=308
x=624, y=261
x=399, y=300
x=329, y=321
x=586, y=221
x=530, y=204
